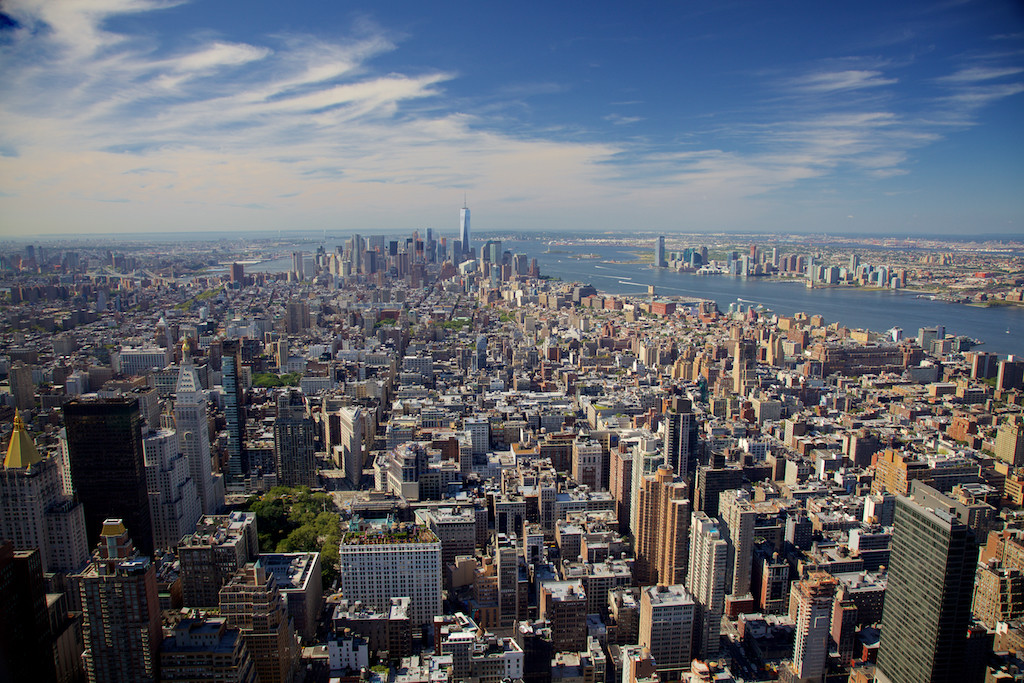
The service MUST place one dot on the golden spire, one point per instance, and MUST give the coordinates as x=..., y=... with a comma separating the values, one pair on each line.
x=21, y=452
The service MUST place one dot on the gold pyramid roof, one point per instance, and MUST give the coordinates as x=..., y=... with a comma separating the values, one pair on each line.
x=21, y=451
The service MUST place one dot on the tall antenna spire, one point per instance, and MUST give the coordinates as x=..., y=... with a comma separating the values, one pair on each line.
x=464, y=201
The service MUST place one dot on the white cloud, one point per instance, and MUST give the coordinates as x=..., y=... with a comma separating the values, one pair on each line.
x=620, y=120
x=217, y=55
x=980, y=73
x=110, y=132
x=76, y=25
x=848, y=79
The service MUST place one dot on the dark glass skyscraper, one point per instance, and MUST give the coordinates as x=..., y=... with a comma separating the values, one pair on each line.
x=107, y=465
x=928, y=597
x=234, y=410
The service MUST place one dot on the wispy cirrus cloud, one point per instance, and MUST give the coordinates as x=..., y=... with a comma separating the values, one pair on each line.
x=225, y=124
x=847, y=79
x=311, y=132
x=978, y=74
x=620, y=120
x=985, y=80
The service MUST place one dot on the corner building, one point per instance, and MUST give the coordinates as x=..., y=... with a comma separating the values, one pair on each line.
x=392, y=562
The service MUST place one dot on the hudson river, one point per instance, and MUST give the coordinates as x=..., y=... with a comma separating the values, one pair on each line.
x=1001, y=327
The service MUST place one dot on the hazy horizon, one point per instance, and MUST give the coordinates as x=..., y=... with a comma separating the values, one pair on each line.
x=315, y=235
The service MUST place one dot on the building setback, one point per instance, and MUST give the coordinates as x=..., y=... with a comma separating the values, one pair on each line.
x=252, y=603
x=206, y=650
x=220, y=546
x=120, y=611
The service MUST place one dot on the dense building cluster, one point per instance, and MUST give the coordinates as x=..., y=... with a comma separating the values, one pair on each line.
x=525, y=479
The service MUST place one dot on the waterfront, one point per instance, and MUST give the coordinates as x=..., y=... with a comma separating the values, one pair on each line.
x=877, y=310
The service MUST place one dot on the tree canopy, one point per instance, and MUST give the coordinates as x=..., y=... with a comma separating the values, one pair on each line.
x=294, y=519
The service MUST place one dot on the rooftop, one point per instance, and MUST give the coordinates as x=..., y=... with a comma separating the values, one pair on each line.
x=291, y=570
x=386, y=535
x=666, y=596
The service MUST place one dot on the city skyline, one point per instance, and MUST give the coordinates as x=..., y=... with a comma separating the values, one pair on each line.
x=143, y=116
x=436, y=466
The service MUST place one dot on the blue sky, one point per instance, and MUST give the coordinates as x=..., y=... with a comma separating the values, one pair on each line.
x=155, y=115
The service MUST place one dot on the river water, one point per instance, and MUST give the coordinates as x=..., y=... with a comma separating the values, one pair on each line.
x=1000, y=328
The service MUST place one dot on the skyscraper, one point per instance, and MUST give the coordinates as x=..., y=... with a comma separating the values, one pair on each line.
x=234, y=411
x=706, y=582
x=23, y=389
x=351, y=443
x=739, y=516
x=666, y=628
x=173, y=501
x=813, y=598
x=108, y=468
x=376, y=566
x=356, y=251
x=506, y=559
x=120, y=610
x=219, y=546
x=297, y=318
x=252, y=603
x=681, y=439
x=480, y=353
x=34, y=510
x=293, y=441
x=659, y=253
x=1010, y=441
x=663, y=530
x=464, y=238
x=928, y=597
x=711, y=482
x=27, y=647
x=194, y=436
x=564, y=605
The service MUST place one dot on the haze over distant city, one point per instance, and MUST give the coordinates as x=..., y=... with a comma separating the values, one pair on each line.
x=155, y=115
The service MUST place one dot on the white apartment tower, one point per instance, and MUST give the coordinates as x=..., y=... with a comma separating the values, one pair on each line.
x=174, y=505
x=706, y=581
x=739, y=516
